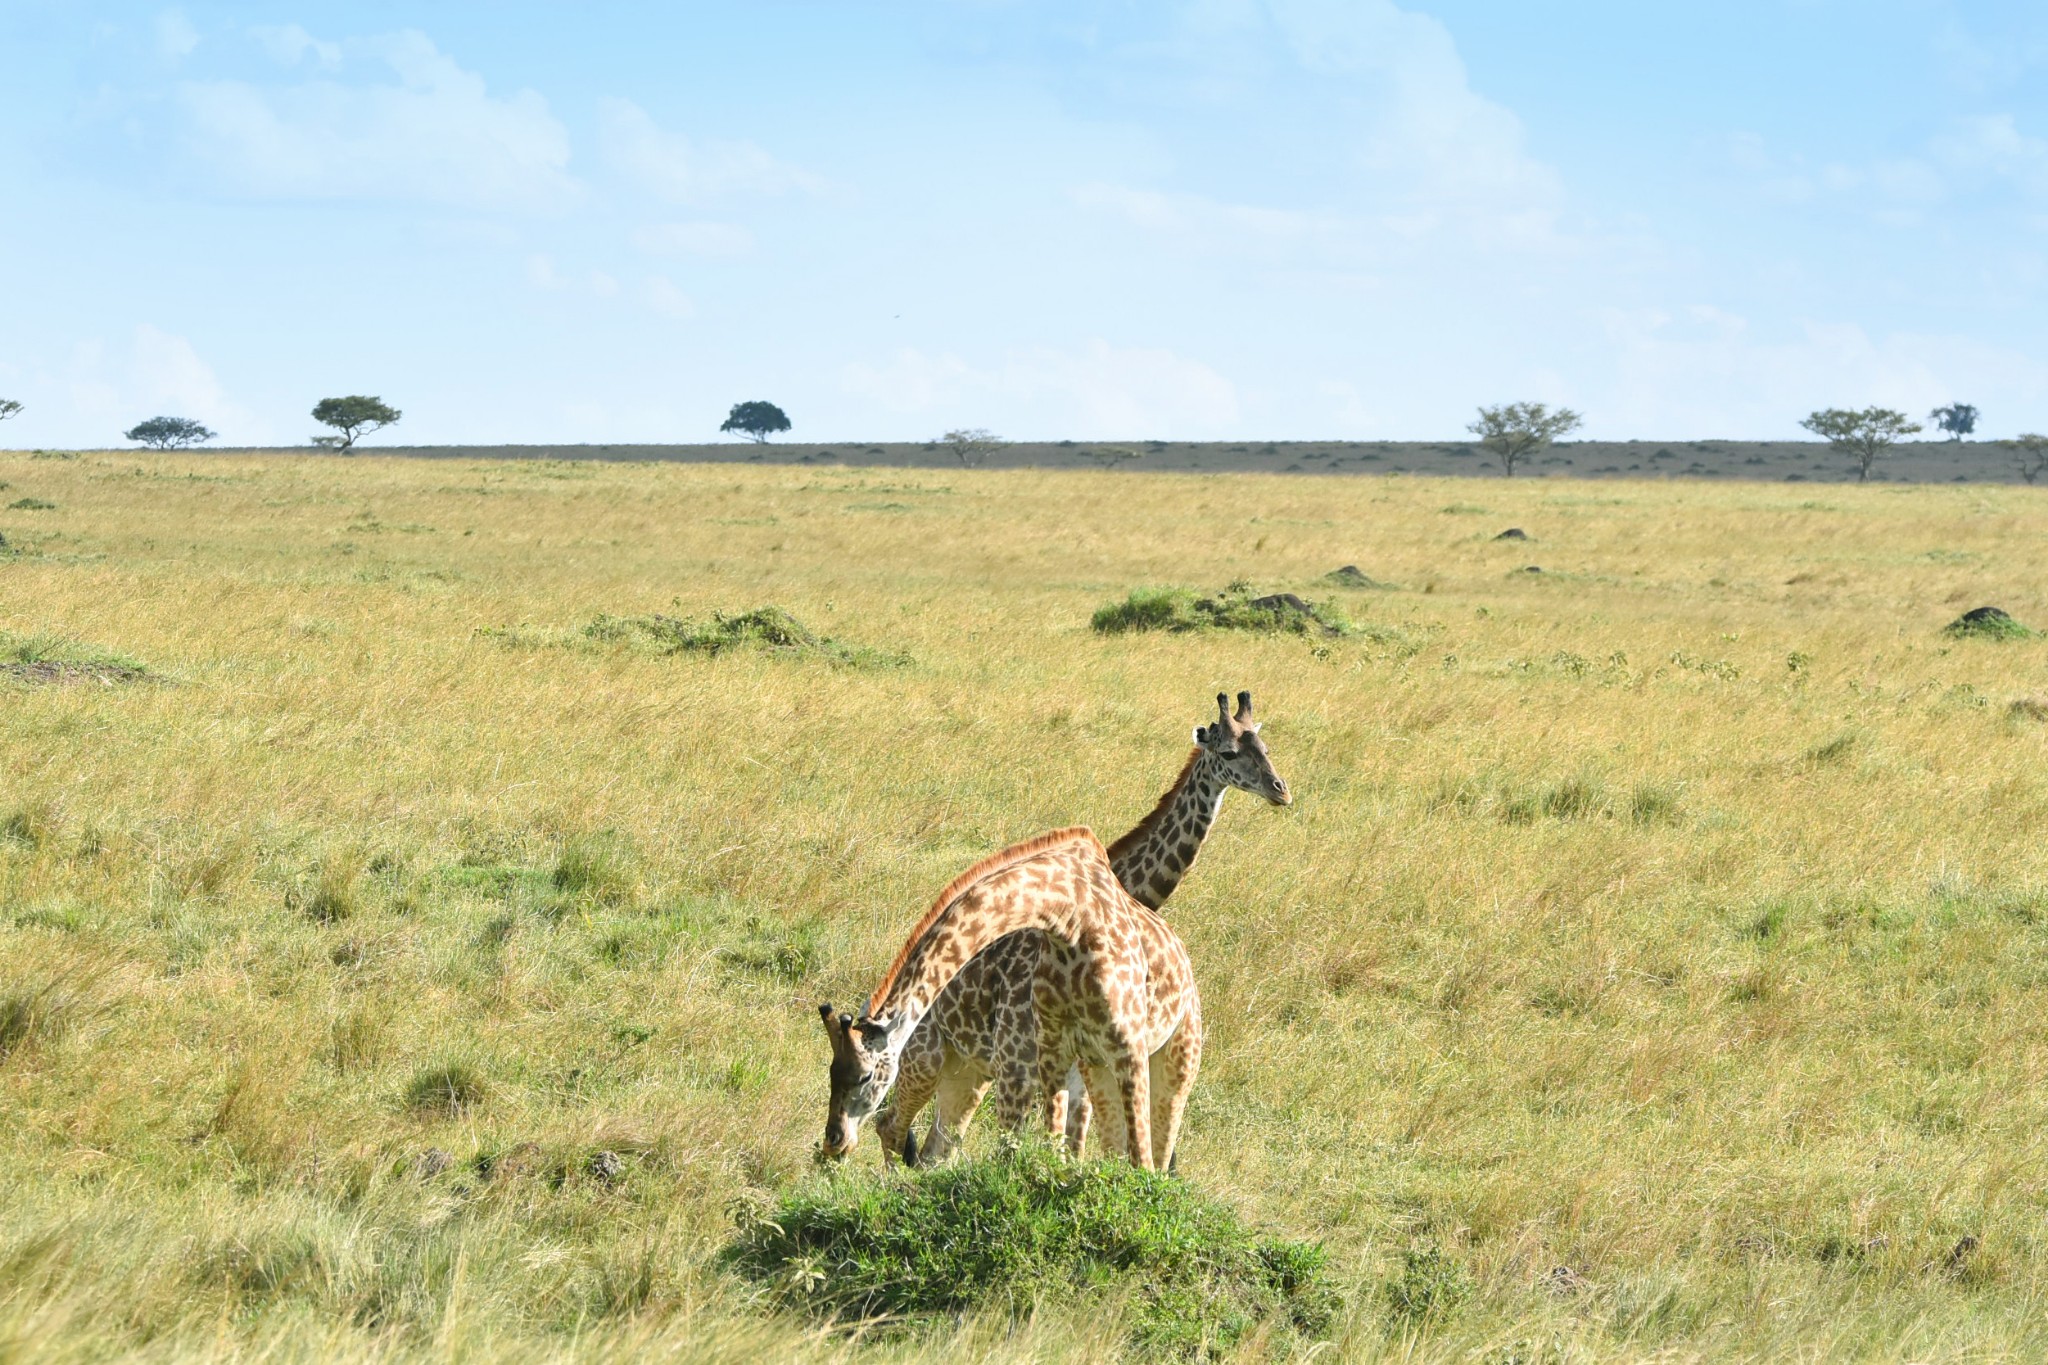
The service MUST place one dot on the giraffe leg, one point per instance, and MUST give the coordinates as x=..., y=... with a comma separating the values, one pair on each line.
x=960, y=1093
x=1079, y=1112
x=1110, y=1094
x=1013, y=1095
x=1134, y=1078
x=915, y=1084
x=1173, y=1070
x=1052, y=1094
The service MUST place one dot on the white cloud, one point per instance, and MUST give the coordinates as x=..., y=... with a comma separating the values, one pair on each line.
x=1423, y=132
x=291, y=44
x=541, y=274
x=436, y=135
x=1195, y=215
x=1416, y=158
x=673, y=166
x=1993, y=145
x=175, y=36
x=694, y=239
x=1706, y=371
x=158, y=374
x=1097, y=392
x=664, y=298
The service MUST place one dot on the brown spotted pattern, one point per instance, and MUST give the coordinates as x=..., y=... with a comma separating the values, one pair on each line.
x=984, y=1029
x=1134, y=1033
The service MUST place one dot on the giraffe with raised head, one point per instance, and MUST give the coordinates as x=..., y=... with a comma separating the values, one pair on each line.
x=985, y=1029
x=1124, y=996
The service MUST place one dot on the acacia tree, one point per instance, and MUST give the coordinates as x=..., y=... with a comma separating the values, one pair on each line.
x=1866, y=434
x=2029, y=454
x=1957, y=419
x=168, y=433
x=355, y=417
x=971, y=445
x=756, y=421
x=8, y=407
x=1515, y=431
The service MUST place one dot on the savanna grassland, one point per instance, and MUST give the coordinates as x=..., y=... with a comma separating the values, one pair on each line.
x=1653, y=965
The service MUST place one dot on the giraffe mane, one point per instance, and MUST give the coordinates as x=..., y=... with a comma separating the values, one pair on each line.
x=1144, y=827
x=987, y=867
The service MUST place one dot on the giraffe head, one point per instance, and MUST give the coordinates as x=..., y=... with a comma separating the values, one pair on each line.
x=864, y=1058
x=1234, y=746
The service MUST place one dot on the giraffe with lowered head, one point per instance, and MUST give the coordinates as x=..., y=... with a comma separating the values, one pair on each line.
x=985, y=1027
x=1124, y=1000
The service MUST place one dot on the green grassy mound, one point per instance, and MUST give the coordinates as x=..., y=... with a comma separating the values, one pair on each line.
x=1026, y=1227
x=1986, y=623
x=769, y=628
x=1235, y=608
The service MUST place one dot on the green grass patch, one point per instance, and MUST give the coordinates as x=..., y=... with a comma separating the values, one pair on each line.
x=768, y=629
x=599, y=869
x=1235, y=608
x=52, y=660
x=445, y=1088
x=1027, y=1227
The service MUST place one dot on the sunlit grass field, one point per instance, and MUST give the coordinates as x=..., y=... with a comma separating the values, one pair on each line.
x=1657, y=947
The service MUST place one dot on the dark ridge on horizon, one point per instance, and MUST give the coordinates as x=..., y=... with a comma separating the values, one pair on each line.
x=1769, y=461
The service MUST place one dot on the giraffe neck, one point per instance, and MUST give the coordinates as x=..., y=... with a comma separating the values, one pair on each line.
x=970, y=918
x=1152, y=858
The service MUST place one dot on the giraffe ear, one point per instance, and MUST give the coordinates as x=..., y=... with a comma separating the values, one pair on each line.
x=1201, y=734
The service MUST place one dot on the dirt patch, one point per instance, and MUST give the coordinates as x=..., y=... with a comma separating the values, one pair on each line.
x=45, y=673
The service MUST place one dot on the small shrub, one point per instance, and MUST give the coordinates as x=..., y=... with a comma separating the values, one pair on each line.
x=1027, y=1227
x=1574, y=799
x=36, y=1015
x=1986, y=623
x=445, y=1088
x=333, y=896
x=2028, y=708
x=1653, y=804
x=1767, y=924
x=1832, y=752
x=34, y=825
x=779, y=952
x=1428, y=1286
x=599, y=869
x=353, y=1040
x=31, y=505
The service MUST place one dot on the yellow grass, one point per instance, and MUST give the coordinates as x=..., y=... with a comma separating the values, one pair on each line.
x=1663, y=937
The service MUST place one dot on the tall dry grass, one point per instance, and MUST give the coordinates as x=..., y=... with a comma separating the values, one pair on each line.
x=1658, y=943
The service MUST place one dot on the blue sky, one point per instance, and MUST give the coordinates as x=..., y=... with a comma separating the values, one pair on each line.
x=1210, y=219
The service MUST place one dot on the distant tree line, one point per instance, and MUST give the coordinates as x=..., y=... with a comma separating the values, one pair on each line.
x=1514, y=433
